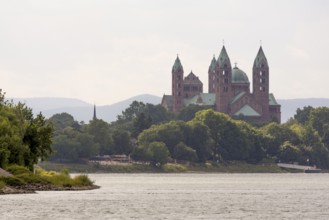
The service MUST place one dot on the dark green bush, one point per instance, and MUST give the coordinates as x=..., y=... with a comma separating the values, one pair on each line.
x=16, y=169
x=12, y=181
x=31, y=178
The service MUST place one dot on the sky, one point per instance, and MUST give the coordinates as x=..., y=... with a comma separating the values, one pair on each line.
x=105, y=51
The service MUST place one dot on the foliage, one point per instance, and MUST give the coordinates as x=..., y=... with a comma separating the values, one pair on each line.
x=140, y=123
x=188, y=113
x=121, y=142
x=174, y=168
x=302, y=115
x=17, y=170
x=202, y=135
x=184, y=152
x=64, y=179
x=158, y=153
x=2, y=184
x=24, y=139
x=289, y=153
x=12, y=181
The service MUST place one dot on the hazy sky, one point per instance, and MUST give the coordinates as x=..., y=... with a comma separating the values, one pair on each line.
x=104, y=51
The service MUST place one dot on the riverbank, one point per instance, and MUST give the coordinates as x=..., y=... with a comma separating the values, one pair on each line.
x=19, y=180
x=33, y=188
x=228, y=167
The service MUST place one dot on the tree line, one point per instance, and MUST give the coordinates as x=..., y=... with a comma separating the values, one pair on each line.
x=149, y=132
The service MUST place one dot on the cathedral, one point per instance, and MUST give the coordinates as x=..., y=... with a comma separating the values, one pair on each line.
x=228, y=90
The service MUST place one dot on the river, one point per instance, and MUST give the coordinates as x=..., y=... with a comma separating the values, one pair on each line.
x=180, y=196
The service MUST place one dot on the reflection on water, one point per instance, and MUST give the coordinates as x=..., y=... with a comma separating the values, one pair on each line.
x=180, y=196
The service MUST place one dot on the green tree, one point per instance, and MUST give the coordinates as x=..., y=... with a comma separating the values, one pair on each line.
x=289, y=153
x=188, y=113
x=184, y=152
x=157, y=113
x=38, y=137
x=132, y=111
x=62, y=120
x=100, y=130
x=199, y=138
x=140, y=123
x=229, y=141
x=277, y=134
x=170, y=133
x=24, y=139
x=121, y=142
x=159, y=153
x=303, y=115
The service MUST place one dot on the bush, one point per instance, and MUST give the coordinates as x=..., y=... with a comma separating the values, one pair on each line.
x=12, y=181
x=16, y=169
x=159, y=152
x=174, y=168
x=82, y=180
x=184, y=152
x=66, y=181
x=31, y=178
x=60, y=180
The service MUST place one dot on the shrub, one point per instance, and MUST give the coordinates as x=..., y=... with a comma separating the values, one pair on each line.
x=31, y=178
x=12, y=181
x=174, y=168
x=184, y=152
x=82, y=180
x=60, y=180
x=16, y=169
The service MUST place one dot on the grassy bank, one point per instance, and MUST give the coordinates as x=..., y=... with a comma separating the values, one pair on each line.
x=25, y=181
x=228, y=167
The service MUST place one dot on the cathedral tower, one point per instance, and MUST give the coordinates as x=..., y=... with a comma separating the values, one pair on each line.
x=212, y=76
x=223, y=82
x=177, y=85
x=260, y=73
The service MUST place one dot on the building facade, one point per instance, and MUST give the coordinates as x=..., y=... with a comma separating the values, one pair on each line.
x=228, y=90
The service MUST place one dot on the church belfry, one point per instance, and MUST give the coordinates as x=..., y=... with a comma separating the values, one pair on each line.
x=212, y=76
x=177, y=85
x=261, y=84
x=223, y=82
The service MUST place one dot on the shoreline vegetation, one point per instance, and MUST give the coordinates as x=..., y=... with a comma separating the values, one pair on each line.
x=227, y=167
x=20, y=180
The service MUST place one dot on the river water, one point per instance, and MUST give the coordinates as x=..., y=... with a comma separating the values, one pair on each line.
x=180, y=196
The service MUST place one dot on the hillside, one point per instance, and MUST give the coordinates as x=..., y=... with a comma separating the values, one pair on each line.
x=83, y=111
x=80, y=110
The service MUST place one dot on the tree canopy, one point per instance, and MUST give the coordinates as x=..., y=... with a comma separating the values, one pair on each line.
x=24, y=139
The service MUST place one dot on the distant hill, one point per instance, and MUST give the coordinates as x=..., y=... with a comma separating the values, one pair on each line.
x=83, y=111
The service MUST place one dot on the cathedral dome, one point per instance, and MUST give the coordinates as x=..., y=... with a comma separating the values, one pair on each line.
x=238, y=76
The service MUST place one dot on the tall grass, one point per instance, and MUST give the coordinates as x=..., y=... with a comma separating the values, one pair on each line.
x=2, y=184
x=66, y=181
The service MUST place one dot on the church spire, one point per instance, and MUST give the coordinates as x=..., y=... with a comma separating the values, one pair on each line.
x=260, y=59
x=177, y=67
x=212, y=64
x=94, y=117
x=223, y=58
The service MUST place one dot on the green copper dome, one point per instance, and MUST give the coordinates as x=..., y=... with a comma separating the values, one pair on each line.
x=238, y=76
